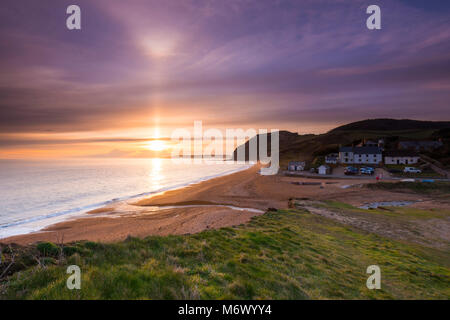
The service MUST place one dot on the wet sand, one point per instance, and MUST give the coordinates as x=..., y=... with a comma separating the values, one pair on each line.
x=198, y=207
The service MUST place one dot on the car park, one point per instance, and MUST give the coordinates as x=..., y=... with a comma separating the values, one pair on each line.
x=411, y=170
x=351, y=171
x=367, y=170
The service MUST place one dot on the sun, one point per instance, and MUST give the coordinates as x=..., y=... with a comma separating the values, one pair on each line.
x=156, y=145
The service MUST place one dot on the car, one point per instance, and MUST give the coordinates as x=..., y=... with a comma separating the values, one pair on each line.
x=411, y=170
x=351, y=171
x=367, y=170
x=395, y=171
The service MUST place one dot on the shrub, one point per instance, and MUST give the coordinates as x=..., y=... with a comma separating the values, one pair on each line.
x=48, y=261
x=91, y=245
x=68, y=251
x=48, y=249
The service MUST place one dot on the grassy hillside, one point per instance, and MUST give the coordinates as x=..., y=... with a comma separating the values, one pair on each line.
x=438, y=188
x=307, y=147
x=288, y=254
x=389, y=124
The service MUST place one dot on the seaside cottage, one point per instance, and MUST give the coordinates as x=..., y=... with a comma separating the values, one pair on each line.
x=324, y=169
x=401, y=157
x=296, y=165
x=360, y=155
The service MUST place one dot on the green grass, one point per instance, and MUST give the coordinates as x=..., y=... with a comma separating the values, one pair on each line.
x=391, y=211
x=288, y=254
x=418, y=187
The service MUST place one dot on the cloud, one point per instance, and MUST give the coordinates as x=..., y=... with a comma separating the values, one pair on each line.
x=17, y=141
x=117, y=153
x=226, y=62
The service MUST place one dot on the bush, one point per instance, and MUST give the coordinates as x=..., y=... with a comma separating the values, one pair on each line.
x=48, y=249
x=68, y=251
x=323, y=151
x=48, y=261
x=91, y=245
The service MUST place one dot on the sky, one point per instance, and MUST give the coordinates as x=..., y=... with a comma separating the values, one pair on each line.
x=139, y=69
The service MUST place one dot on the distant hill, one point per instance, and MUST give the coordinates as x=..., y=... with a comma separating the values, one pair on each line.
x=286, y=139
x=306, y=147
x=392, y=124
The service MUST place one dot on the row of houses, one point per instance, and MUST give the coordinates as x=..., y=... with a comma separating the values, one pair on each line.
x=360, y=155
x=300, y=166
x=372, y=155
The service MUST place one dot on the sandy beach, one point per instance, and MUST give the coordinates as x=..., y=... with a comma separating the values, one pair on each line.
x=220, y=202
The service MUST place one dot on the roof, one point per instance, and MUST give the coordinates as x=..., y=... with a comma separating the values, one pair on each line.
x=361, y=150
x=346, y=149
x=324, y=166
x=367, y=150
x=400, y=153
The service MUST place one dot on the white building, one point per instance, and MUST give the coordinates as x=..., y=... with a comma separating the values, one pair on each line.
x=324, y=169
x=360, y=155
x=401, y=157
x=296, y=165
x=332, y=158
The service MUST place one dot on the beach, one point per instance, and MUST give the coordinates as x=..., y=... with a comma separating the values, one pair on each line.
x=219, y=202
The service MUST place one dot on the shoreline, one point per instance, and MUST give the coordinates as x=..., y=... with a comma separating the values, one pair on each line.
x=223, y=201
x=43, y=222
x=121, y=209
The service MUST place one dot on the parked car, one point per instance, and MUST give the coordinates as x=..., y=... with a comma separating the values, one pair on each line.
x=367, y=170
x=351, y=171
x=395, y=171
x=411, y=170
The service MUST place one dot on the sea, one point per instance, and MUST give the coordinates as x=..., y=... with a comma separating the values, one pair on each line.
x=36, y=194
